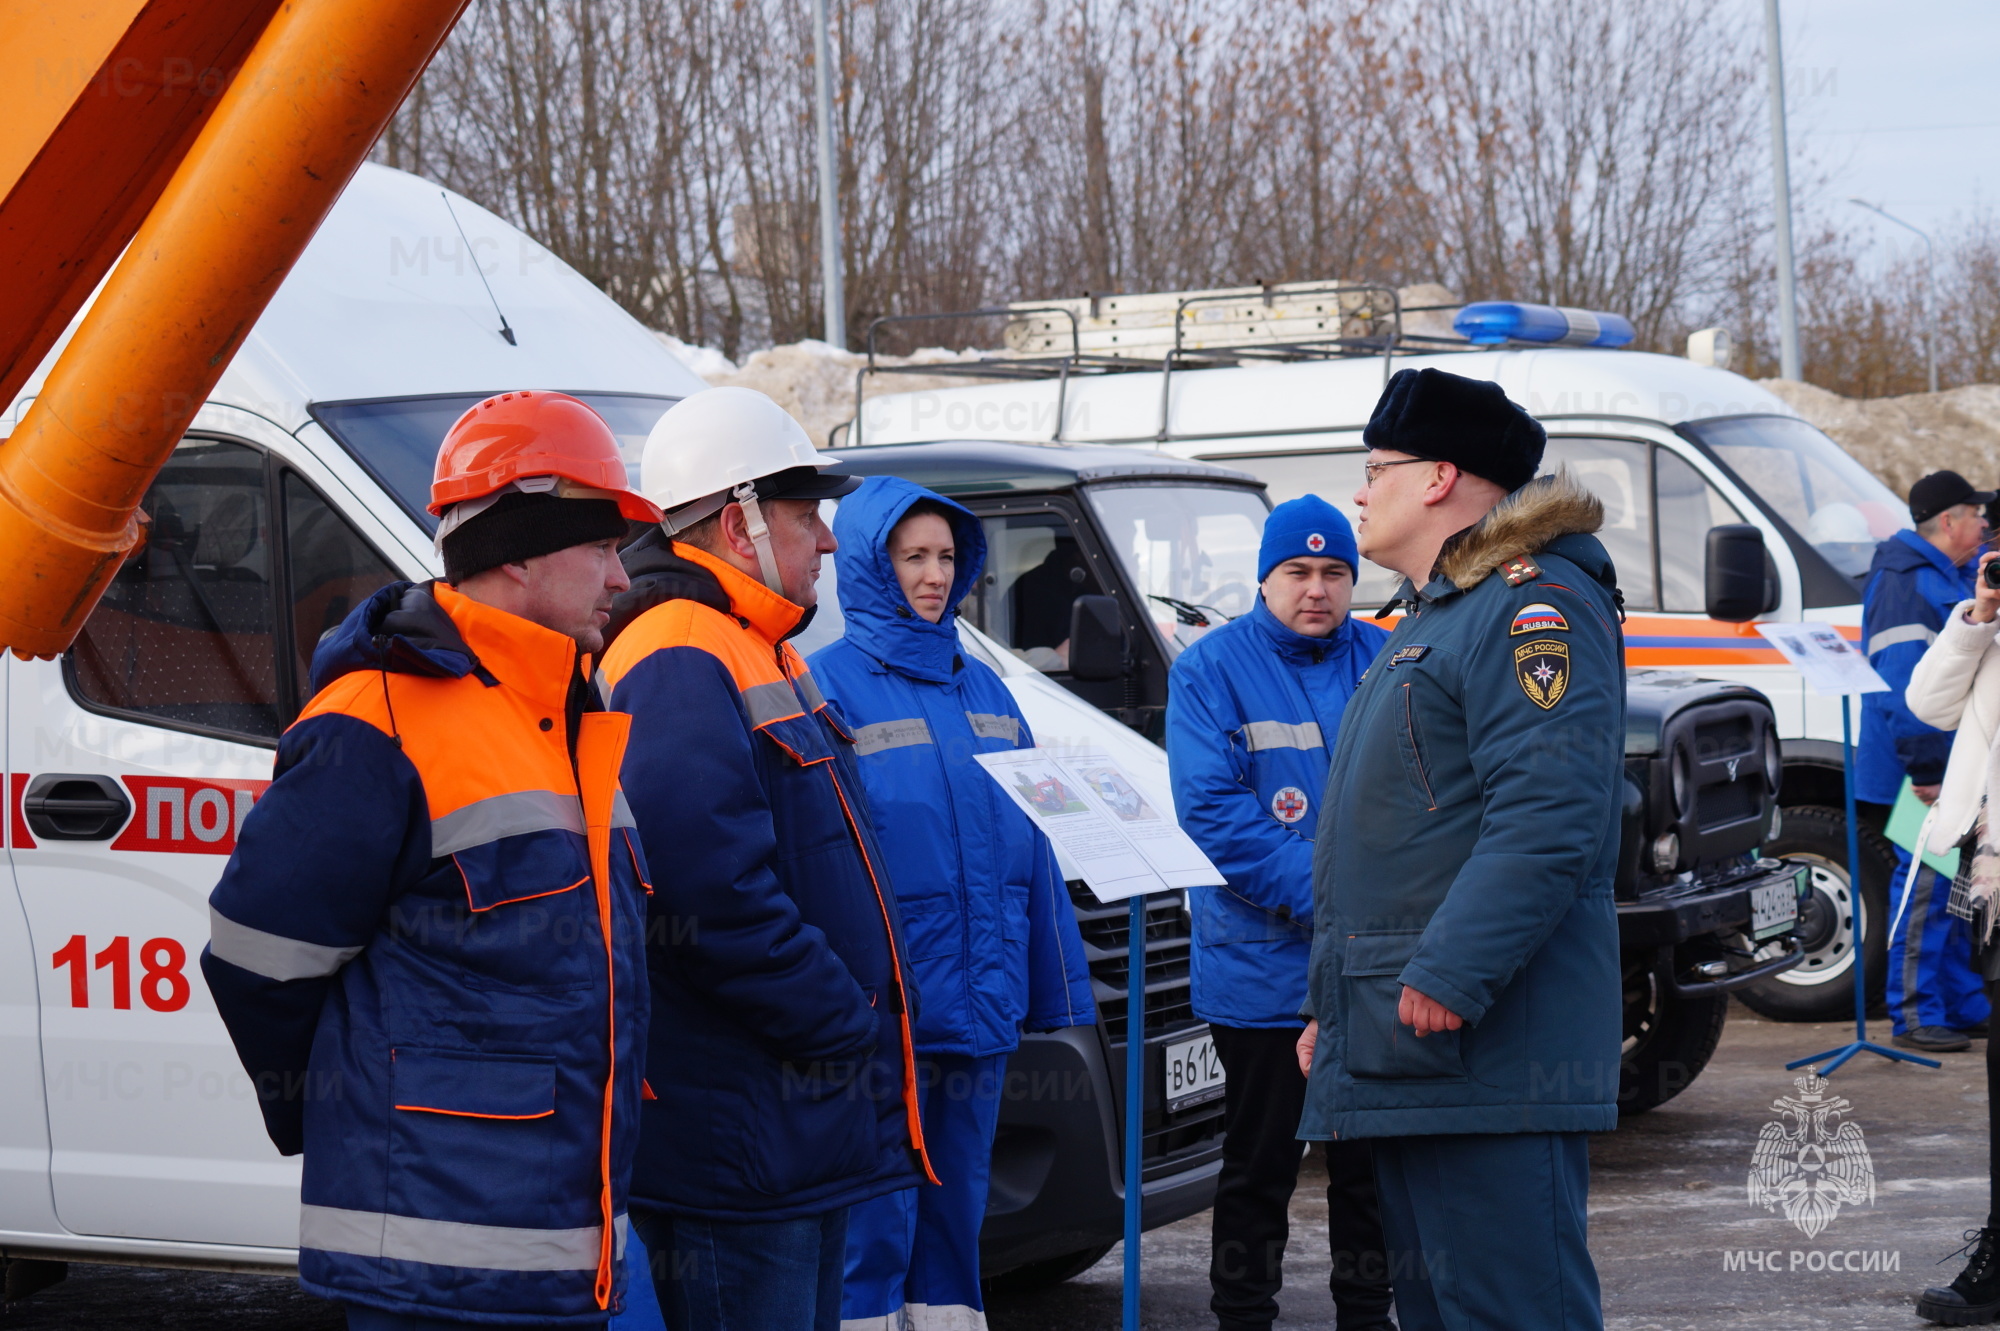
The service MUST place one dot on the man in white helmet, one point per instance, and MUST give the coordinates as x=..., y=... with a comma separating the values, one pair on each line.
x=780, y=1046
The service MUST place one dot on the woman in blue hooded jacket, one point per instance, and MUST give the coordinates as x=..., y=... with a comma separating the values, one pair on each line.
x=992, y=936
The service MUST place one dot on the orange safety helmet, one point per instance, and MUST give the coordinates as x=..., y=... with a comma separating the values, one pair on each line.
x=532, y=432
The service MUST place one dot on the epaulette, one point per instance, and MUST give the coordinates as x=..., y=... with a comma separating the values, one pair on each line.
x=1518, y=571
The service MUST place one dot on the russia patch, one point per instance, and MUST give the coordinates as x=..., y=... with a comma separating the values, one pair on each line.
x=1289, y=805
x=1315, y=542
x=1539, y=618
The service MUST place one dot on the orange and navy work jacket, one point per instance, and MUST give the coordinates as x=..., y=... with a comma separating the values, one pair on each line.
x=428, y=949
x=780, y=1041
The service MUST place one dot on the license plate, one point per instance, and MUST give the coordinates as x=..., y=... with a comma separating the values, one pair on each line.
x=1194, y=1073
x=1774, y=909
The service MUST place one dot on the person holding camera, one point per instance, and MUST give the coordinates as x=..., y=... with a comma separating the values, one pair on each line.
x=1956, y=686
x=1936, y=1002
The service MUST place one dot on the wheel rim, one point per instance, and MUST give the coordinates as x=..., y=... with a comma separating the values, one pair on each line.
x=1832, y=901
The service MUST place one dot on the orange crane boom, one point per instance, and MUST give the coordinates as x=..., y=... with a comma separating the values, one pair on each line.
x=111, y=136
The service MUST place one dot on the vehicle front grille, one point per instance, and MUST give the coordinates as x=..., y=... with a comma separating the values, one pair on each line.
x=1168, y=939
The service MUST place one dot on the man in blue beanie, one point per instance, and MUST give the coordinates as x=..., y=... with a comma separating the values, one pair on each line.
x=1252, y=713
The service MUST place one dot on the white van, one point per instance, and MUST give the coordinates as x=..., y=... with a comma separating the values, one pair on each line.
x=128, y=1131
x=1673, y=448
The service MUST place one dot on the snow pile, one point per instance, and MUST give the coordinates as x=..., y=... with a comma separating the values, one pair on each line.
x=1903, y=438
x=814, y=381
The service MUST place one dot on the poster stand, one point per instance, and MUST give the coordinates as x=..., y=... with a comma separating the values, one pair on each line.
x=1832, y=667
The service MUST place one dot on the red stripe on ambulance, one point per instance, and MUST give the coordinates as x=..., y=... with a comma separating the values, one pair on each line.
x=177, y=814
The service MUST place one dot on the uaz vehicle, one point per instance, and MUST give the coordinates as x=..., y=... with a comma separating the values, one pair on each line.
x=1279, y=381
x=1075, y=533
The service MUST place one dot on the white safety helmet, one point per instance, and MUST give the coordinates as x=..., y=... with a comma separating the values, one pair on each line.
x=733, y=445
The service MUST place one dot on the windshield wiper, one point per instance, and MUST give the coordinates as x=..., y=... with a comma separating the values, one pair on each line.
x=1188, y=612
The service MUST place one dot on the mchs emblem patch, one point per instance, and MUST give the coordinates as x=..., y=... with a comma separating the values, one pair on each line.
x=1542, y=667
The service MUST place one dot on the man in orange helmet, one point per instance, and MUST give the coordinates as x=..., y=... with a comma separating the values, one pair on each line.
x=428, y=944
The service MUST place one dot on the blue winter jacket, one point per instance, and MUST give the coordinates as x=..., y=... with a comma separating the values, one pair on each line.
x=782, y=997
x=992, y=935
x=427, y=948
x=1469, y=843
x=1253, y=713
x=1911, y=588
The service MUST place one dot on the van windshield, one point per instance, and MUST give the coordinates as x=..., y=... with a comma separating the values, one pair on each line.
x=396, y=439
x=1831, y=500
x=1190, y=551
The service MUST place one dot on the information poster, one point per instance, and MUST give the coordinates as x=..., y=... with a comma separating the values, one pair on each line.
x=1832, y=666
x=1100, y=819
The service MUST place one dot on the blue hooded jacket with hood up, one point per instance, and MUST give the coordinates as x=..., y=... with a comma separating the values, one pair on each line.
x=991, y=932
x=1252, y=716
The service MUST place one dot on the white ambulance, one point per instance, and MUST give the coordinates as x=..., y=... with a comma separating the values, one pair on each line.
x=128, y=1131
x=1279, y=382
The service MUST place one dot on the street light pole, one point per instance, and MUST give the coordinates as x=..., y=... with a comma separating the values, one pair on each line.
x=1781, y=186
x=1930, y=285
x=829, y=184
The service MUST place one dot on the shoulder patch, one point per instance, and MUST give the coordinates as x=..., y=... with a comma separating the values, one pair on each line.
x=1541, y=617
x=1542, y=669
x=1518, y=571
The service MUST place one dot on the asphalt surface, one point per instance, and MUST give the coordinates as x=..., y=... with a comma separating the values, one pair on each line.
x=1678, y=1243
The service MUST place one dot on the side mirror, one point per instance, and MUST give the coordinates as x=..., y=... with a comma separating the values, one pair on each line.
x=1741, y=582
x=1097, y=648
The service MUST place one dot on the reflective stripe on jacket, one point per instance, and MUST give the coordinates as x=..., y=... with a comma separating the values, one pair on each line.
x=1253, y=713
x=1912, y=586
x=427, y=948
x=780, y=1047
x=992, y=934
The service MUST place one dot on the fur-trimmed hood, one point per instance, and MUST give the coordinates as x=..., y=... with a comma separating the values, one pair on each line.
x=1521, y=524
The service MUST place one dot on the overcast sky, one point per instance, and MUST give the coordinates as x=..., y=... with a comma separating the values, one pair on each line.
x=1900, y=101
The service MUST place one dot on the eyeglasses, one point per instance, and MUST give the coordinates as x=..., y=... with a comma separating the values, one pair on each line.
x=1373, y=470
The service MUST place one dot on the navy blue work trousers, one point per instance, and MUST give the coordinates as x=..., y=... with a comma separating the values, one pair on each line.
x=714, y=1275
x=1486, y=1232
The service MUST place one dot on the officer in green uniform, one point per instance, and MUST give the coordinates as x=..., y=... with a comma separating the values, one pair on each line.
x=1466, y=965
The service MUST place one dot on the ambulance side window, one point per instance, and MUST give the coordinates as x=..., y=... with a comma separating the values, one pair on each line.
x=1689, y=506
x=184, y=632
x=329, y=570
x=1615, y=471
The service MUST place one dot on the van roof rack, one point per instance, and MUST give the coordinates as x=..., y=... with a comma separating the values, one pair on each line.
x=1164, y=331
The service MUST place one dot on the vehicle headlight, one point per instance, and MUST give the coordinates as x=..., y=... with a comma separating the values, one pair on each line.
x=1666, y=852
x=1774, y=765
x=1683, y=782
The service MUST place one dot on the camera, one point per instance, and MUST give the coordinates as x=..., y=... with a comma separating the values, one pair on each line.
x=1991, y=572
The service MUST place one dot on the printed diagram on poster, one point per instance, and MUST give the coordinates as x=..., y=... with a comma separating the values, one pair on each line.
x=1101, y=821
x=1832, y=665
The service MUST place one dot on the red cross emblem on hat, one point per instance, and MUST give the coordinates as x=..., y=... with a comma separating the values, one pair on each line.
x=1315, y=542
x=1289, y=805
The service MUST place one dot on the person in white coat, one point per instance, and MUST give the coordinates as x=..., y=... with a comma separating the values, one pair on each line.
x=1957, y=687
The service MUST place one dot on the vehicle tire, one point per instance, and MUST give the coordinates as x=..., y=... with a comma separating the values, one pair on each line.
x=1821, y=987
x=1049, y=1271
x=1668, y=1040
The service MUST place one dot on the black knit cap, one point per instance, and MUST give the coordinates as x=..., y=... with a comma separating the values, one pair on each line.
x=1469, y=423
x=522, y=526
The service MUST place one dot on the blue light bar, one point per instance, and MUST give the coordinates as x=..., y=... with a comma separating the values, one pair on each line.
x=1489, y=322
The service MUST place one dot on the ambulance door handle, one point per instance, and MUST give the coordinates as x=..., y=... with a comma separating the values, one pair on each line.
x=68, y=806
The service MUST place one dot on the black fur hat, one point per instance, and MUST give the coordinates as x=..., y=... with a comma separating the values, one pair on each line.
x=1469, y=423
